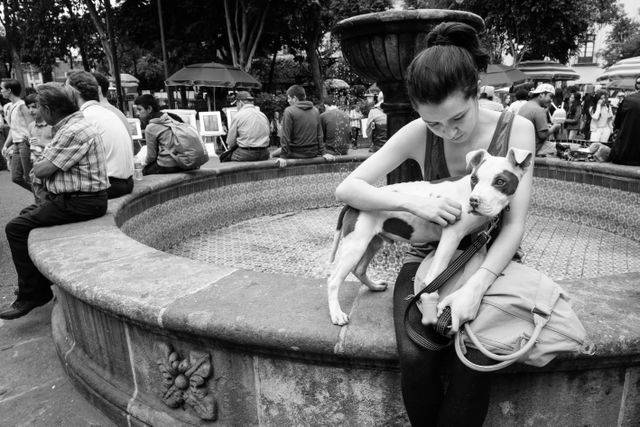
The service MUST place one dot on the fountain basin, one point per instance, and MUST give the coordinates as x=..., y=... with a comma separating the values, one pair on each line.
x=153, y=338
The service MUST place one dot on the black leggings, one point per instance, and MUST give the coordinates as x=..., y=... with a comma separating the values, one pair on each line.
x=466, y=398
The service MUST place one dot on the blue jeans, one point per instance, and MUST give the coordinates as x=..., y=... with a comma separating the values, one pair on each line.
x=244, y=155
x=21, y=165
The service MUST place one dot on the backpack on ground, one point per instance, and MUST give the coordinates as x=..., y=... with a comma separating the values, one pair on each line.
x=187, y=148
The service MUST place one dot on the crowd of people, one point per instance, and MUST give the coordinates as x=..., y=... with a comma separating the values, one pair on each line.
x=568, y=115
x=304, y=131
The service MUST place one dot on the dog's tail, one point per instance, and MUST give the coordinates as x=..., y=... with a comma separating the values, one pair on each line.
x=338, y=233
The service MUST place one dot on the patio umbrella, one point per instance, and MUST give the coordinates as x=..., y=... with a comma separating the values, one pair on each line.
x=336, y=84
x=213, y=74
x=625, y=83
x=126, y=80
x=629, y=67
x=502, y=75
x=547, y=70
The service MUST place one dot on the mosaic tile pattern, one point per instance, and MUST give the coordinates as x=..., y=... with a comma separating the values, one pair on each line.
x=300, y=243
x=286, y=224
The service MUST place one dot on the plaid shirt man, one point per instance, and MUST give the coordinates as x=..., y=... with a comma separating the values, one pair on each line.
x=76, y=149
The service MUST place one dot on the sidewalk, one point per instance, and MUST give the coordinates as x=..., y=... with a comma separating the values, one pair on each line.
x=34, y=389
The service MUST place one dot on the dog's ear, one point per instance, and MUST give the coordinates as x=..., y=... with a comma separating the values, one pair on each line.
x=475, y=157
x=519, y=158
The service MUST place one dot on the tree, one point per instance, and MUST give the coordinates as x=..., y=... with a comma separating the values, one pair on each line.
x=534, y=30
x=245, y=22
x=304, y=23
x=623, y=40
x=34, y=34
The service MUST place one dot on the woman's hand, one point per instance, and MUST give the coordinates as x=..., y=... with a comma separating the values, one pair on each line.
x=464, y=302
x=440, y=210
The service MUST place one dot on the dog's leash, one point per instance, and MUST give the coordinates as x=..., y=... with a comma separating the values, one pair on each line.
x=444, y=321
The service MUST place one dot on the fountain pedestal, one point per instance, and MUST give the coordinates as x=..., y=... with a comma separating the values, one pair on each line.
x=380, y=47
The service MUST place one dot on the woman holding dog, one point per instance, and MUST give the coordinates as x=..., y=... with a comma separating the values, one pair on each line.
x=443, y=86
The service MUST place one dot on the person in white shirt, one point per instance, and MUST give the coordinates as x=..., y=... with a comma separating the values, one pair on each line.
x=17, y=143
x=486, y=99
x=248, y=132
x=115, y=135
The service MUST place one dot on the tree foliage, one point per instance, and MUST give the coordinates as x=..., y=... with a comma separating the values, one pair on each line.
x=623, y=40
x=530, y=29
x=35, y=34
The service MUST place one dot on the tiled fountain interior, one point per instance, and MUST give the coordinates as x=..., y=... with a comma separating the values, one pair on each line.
x=286, y=225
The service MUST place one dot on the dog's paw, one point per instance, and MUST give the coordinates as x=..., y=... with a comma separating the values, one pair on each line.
x=339, y=318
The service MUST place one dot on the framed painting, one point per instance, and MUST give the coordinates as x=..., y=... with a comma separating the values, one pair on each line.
x=135, y=130
x=211, y=123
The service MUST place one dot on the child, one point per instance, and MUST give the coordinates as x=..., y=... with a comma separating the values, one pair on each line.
x=40, y=134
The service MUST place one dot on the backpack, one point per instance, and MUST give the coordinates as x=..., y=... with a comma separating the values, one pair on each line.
x=187, y=148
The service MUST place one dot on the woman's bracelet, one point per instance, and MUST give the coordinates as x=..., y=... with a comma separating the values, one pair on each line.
x=485, y=268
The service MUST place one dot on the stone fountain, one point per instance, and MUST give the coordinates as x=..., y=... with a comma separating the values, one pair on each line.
x=380, y=47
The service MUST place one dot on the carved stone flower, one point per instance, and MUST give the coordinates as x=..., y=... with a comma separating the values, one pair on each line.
x=185, y=381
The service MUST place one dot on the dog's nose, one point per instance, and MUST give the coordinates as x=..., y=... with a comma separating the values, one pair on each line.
x=474, y=201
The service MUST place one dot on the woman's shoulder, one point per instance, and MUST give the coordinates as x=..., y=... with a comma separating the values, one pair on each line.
x=414, y=132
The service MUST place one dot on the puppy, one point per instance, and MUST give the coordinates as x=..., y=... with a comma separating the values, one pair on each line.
x=483, y=194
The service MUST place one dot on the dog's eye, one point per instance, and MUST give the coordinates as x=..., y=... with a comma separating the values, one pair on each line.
x=500, y=181
x=474, y=179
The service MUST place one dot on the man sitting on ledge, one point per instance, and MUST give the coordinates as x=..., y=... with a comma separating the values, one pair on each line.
x=301, y=130
x=73, y=170
x=249, y=131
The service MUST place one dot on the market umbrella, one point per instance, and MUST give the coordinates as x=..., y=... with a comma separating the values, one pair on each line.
x=213, y=74
x=629, y=67
x=502, y=75
x=336, y=84
x=126, y=80
x=547, y=70
x=625, y=83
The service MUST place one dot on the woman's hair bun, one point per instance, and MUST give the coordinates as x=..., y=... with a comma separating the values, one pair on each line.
x=461, y=35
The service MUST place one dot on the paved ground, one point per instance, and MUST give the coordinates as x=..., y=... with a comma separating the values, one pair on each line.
x=34, y=390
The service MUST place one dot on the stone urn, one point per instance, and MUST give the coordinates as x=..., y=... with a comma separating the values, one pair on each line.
x=380, y=47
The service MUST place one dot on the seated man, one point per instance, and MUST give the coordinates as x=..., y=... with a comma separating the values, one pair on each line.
x=155, y=123
x=301, y=130
x=249, y=132
x=73, y=170
x=335, y=128
x=115, y=135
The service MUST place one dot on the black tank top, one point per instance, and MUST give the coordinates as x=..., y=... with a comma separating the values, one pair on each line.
x=435, y=167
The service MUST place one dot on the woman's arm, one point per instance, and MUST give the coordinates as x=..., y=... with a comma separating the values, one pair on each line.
x=465, y=302
x=358, y=191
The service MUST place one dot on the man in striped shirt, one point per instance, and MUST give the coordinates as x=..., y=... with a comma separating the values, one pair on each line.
x=74, y=173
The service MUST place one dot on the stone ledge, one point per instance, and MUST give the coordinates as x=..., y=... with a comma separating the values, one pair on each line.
x=121, y=276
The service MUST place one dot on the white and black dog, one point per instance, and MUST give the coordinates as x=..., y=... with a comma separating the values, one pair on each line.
x=483, y=194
